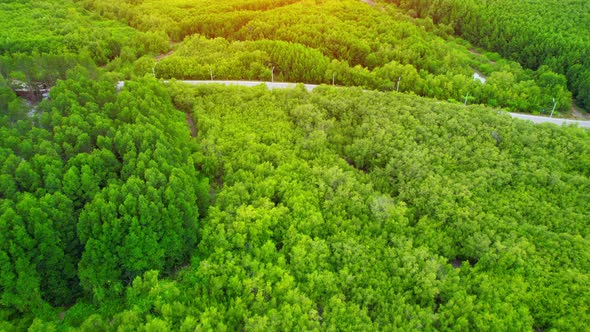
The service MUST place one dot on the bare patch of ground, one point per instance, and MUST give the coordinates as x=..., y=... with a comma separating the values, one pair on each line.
x=473, y=51
x=577, y=114
x=457, y=262
x=369, y=2
x=169, y=53
x=162, y=56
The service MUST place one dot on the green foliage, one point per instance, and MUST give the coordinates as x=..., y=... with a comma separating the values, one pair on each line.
x=341, y=209
x=337, y=210
x=343, y=42
x=57, y=27
x=351, y=210
x=535, y=33
x=106, y=191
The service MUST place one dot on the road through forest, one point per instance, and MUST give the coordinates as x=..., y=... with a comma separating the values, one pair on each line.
x=310, y=87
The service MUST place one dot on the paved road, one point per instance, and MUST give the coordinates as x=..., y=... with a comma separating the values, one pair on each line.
x=557, y=121
x=310, y=87
x=270, y=85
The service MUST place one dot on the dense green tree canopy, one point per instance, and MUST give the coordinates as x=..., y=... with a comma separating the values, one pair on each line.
x=97, y=187
x=343, y=42
x=535, y=33
x=340, y=209
x=150, y=205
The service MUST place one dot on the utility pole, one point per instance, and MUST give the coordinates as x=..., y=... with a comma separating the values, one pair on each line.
x=272, y=74
x=397, y=87
x=154, y=69
x=466, y=96
x=333, y=77
x=211, y=73
x=554, y=105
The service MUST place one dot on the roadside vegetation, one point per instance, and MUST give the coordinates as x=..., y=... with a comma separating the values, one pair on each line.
x=155, y=206
x=346, y=42
x=547, y=34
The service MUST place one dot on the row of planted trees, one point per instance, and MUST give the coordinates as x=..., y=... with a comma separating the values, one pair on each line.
x=545, y=33
x=203, y=59
x=348, y=41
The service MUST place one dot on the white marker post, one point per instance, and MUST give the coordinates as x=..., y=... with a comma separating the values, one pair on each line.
x=554, y=105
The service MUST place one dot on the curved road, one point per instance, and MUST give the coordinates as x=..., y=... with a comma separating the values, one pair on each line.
x=310, y=87
x=557, y=121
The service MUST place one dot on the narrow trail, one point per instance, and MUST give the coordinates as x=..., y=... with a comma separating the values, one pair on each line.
x=169, y=53
x=191, y=123
x=164, y=55
x=473, y=51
